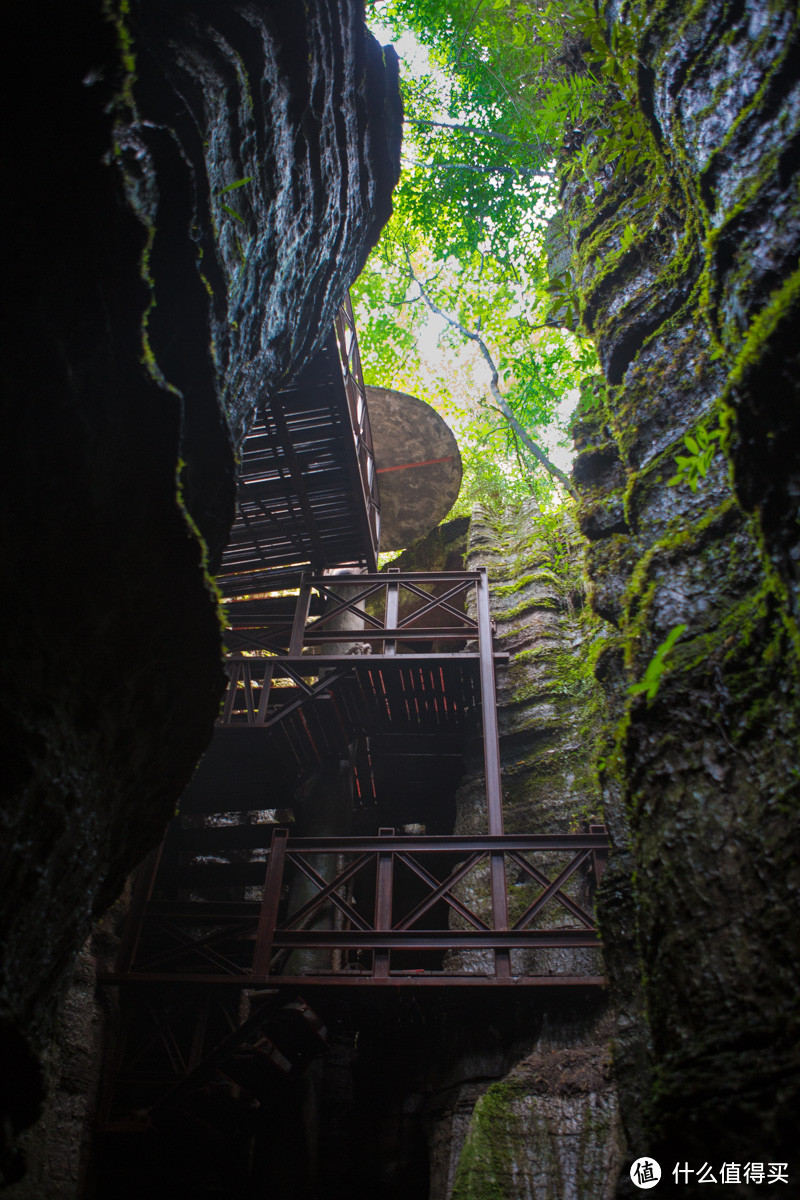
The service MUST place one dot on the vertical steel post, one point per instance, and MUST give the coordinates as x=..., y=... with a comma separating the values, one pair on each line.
x=599, y=857
x=263, y=704
x=300, y=617
x=383, y=905
x=230, y=694
x=142, y=891
x=491, y=760
x=270, y=900
x=392, y=610
x=491, y=733
x=247, y=680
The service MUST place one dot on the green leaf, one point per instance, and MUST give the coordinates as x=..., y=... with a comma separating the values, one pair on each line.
x=657, y=666
x=628, y=236
x=231, y=187
x=232, y=213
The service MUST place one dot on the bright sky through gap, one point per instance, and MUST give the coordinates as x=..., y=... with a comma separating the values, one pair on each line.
x=466, y=374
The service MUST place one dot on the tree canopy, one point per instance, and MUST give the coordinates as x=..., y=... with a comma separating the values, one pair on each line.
x=464, y=258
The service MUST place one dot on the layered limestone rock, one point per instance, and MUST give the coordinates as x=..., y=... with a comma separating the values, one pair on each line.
x=549, y=710
x=689, y=282
x=259, y=146
x=57, y=1150
x=195, y=186
x=548, y=1127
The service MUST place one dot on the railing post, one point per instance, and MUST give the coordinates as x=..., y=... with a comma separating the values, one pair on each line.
x=247, y=680
x=270, y=901
x=392, y=610
x=142, y=891
x=599, y=857
x=230, y=692
x=300, y=617
x=491, y=733
x=263, y=703
x=502, y=958
x=383, y=905
x=356, y=399
x=491, y=760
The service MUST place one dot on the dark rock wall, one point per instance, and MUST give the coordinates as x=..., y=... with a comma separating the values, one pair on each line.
x=57, y=1150
x=696, y=310
x=549, y=1128
x=143, y=321
x=260, y=151
x=543, y=1120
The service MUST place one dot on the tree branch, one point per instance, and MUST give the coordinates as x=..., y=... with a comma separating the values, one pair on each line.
x=454, y=166
x=524, y=468
x=494, y=384
x=505, y=138
x=467, y=28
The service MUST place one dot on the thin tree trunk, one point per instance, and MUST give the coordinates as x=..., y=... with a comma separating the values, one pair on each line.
x=494, y=384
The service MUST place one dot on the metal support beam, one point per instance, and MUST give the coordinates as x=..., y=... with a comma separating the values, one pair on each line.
x=383, y=904
x=263, y=704
x=599, y=857
x=300, y=618
x=392, y=610
x=491, y=757
x=268, y=917
x=491, y=733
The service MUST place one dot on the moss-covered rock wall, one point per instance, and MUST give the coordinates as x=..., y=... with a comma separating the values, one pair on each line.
x=549, y=710
x=194, y=186
x=548, y=1128
x=689, y=281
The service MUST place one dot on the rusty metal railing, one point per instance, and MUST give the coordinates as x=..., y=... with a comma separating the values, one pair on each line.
x=396, y=616
x=352, y=376
x=385, y=896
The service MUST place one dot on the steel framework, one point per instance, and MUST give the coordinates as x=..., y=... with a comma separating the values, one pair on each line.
x=307, y=491
x=366, y=919
x=388, y=675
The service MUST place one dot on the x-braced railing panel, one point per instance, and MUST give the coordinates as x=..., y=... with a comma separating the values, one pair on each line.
x=372, y=898
x=390, y=613
x=393, y=619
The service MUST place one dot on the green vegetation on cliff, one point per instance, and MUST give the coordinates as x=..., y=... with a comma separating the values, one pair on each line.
x=674, y=129
x=465, y=258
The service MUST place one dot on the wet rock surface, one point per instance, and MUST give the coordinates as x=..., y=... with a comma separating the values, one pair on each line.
x=260, y=152
x=150, y=305
x=548, y=1127
x=695, y=329
x=548, y=704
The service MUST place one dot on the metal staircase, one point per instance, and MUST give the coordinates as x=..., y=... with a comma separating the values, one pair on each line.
x=375, y=689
